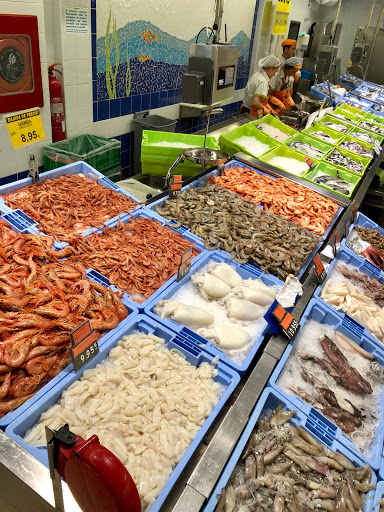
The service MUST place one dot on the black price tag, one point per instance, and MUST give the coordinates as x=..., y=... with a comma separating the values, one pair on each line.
x=309, y=162
x=337, y=241
x=320, y=270
x=185, y=264
x=84, y=345
x=287, y=324
x=174, y=189
x=347, y=225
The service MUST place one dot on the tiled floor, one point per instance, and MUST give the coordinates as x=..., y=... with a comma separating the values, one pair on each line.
x=15, y=496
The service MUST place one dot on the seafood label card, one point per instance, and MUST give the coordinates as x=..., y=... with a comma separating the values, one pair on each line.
x=321, y=274
x=84, y=345
x=185, y=264
x=174, y=189
x=25, y=127
x=280, y=320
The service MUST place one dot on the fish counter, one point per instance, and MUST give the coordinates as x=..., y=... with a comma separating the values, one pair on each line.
x=183, y=361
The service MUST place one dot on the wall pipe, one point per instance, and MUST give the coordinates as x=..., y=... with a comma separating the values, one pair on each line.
x=336, y=19
x=374, y=39
x=369, y=20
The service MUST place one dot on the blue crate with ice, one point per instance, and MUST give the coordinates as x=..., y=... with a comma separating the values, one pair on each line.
x=133, y=418
x=221, y=305
x=334, y=372
x=355, y=288
x=367, y=93
x=321, y=91
x=378, y=500
x=143, y=256
x=66, y=206
x=277, y=467
x=366, y=240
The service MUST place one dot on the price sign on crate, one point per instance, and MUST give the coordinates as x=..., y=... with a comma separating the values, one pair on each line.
x=337, y=241
x=320, y=270
x=281, y=320
x=84, y=345
x=185, y=264
x=25, y=127
x=309, y=162
x=354, y=208
x=174, y=189
x=347, y=224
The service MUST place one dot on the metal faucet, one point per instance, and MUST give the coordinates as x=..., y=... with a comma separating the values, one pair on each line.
x=179, y=159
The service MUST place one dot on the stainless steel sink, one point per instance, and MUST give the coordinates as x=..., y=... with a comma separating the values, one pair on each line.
x=151, y=180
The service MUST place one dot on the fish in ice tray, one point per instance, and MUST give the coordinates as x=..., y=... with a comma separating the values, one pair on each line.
x=324, y=136
x=308, y=149
x=273, y=132
x=355, y=147
x=334, y=182
x=338, y=159
x=364, y=136
x=338, y=127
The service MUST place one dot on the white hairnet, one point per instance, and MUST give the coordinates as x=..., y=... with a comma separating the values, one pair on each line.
x=293, y=61
x=269, y=62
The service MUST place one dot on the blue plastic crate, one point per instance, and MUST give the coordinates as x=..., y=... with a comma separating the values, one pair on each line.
x=364, y=222
x=194, y=338
x=323, y=314
x=11, y=416
x=20, y=220
x=269, y=400
x=321, y=95
x=378, y=113
x=379, y=493
x=226, y=377
x=156, y=218
x=347, y=256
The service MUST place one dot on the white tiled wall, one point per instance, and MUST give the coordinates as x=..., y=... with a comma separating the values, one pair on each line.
x=13, y=161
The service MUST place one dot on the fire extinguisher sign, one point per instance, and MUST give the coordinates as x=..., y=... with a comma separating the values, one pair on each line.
x=25, y=127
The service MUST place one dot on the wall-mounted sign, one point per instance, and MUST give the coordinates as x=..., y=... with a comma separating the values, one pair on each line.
x=280, y=22
x=76, y=20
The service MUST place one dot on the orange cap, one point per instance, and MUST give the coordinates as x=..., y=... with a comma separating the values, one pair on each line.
x=289, y=42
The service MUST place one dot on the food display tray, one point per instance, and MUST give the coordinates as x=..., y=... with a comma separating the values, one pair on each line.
x=356, y=112
x=335, y=135
x=379, y=493
x=11, y=416
x=371, y=134
x=23, y=223
x=364, y=222
x=374, y=118
x=268, y=401
x=319, y=93
x=194, y=355
x=138, y=214
x=316, y=143
x=349, y=138
x=347, y=256
x=330, y=119
x=276, y=123
x=195, y=339
x=360, y=103
x=202, y=179
x=331, y=170
x=352, y=156
x=228, y=141
x=323, y=314
x=286, y=152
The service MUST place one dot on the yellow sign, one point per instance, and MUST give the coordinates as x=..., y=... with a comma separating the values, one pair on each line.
x=280, y=22
x=25, y=127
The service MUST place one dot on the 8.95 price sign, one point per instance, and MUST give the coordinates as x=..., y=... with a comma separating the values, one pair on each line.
x=25, y=127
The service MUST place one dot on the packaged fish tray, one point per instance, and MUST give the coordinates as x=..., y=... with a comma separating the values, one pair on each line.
x=379, y=494
x=296, y=144
x=21, y=221
x=364, y=222
x=142, y=214
x=247, y=139
x=342, y=126
x=365, y=135
x=288, y=160
x=326, y=169
x=331, y=137
x=323, y=315
x=358, y=162
x=269, y=400
x=276, y=126
x=347, y=257
x=185, y=292
x=345, y=144
x=226, y=378
x=11, y=416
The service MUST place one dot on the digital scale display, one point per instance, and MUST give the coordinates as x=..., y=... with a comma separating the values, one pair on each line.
x=225, y=77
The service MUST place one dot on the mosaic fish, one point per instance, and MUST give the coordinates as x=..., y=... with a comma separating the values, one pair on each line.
x=149, y=37
x=144, y=57
x=244, y=46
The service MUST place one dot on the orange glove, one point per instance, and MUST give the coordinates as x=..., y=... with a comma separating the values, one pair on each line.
x=275, y=101
x=289, y=102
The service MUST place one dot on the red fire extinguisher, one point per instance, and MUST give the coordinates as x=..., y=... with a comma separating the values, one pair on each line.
x=57, y=107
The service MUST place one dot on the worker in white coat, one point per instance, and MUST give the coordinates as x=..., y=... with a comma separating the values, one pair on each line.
x=280, y=86
x=256, y=92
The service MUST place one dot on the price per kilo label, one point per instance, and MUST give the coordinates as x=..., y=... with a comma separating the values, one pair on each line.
x=354, y=209
x=174, y=189
x=288, y=325
x=347, y=225
x=337, y=241
x=185, y=264
x=84, y=345
x=25, y=127
x=321, y=274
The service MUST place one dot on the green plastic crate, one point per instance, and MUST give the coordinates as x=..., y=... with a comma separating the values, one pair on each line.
x=336, y=136
x=286, y=152
x=331, y=170
x=101, y=153
x=269, y=119
x=352, y=110
x=159, y=165
x=379, y=126
x=366, y=145
x=353, y=156
x=375, y=136
x=376, y=119
x=316, y=143
x=346, y=115
x=335, y=120
x=228, y=140
x=151, y=137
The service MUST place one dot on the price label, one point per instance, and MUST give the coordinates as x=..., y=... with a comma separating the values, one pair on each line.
x=347, y=225
x=320, y=270
x=309, y=162
x=174, y=189
x=185, y=264
x=84, y=345
x=337, y=241
x=285, y=321
x=25, y=127
x=354, y=209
